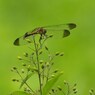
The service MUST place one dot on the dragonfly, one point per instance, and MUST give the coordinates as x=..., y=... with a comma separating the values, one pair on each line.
x=44, y=31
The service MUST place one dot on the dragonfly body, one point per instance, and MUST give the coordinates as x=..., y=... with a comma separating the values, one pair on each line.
x=42, y=31
x=39, y=30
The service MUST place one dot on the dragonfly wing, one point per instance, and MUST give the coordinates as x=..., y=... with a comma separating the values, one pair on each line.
x=22, y=41
x=71, y=26
x=62, y=30
x=60, y=27
x=66, y=33
x=16, y=42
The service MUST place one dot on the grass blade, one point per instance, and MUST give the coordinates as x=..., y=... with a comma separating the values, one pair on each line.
x=25, y=79
x=50, y=84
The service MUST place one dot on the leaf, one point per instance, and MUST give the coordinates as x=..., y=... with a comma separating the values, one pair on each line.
x=25, y=79
x=50, y=84
x=19, y=93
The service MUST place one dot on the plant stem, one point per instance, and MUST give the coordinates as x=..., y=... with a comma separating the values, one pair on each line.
x=37, y=58
x=25, y=82
x=48, y=71
x=68, y=89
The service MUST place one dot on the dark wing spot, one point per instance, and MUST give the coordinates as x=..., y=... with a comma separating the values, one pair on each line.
x=16, y=42
x=71, y=25
x=66, y=33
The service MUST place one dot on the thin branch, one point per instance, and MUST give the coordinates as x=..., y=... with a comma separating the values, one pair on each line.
x=33, y=61
x=37, y=58
x=48, y=72
x=68, y=89
x=25, y=82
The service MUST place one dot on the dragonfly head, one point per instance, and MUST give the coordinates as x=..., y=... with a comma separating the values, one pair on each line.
x=41, y=31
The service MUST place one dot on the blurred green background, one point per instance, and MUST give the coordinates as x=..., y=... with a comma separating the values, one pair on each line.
x=20, y=16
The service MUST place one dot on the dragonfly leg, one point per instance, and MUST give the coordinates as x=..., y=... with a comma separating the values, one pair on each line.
x=45, y=36
x=40, y=40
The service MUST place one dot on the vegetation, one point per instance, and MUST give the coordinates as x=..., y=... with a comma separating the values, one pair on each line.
x=33, y=64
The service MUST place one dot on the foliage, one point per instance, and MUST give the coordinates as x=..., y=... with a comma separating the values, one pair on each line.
x=47, y=77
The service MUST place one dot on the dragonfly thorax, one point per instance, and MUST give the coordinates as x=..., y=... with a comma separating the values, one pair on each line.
x=40, y=31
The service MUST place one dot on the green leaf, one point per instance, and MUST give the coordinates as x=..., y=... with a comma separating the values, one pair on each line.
x=25, y=79
x=19, y=93
x=50, y=84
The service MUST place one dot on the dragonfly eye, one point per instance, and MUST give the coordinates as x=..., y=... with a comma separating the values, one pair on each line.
x=66, y=33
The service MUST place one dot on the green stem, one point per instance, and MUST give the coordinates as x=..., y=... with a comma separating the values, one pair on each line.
x=48, y=71
x=25, y=82
x=68, y=89
x=37, y=58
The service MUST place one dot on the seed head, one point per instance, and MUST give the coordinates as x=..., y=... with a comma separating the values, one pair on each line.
x=57, y=53
x=20, y=58
x=25, y=54
x=59, y=88
x=13, y=80
x=40, y=52
x=22, y=70
x=46, y=48
x=14, y=68
x=61, y=54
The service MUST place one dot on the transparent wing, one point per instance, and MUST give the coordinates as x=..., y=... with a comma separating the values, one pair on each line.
x=60, y=27
x=22, y=41
x=61, y=30
x=50, y=30
x=26, y=39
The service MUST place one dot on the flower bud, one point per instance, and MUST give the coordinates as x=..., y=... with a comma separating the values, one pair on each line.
x=52, y=76
x=42, y=66
x=61, y=54
x=28, y=40
x=51, y=35
x=47, y=64
x=53, y=90
x=25, y=54
x=41, y=61
x=22, y=70
x=57, y=53
x=14, y=68
x=20, y=58
x=59, y=88
x=13, y=80
x=23, y=64
x=46, y=48
x=55, y=71
x=40, y=52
